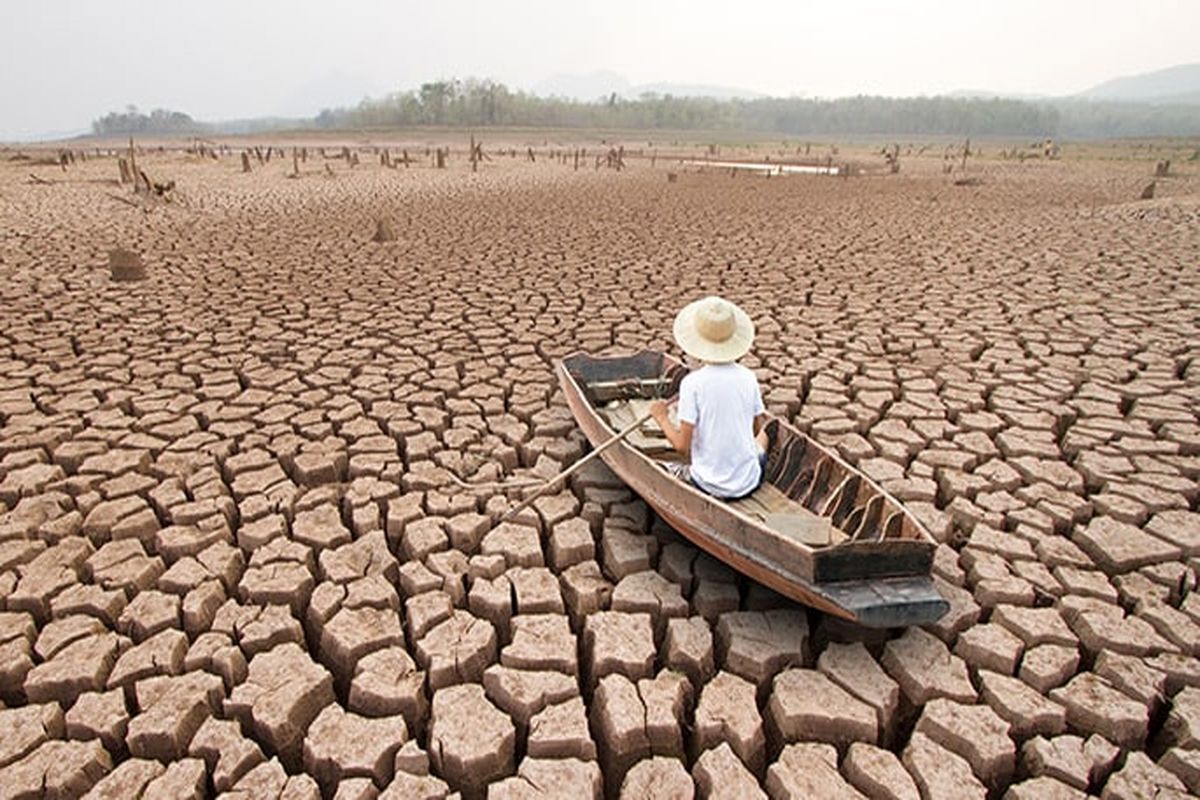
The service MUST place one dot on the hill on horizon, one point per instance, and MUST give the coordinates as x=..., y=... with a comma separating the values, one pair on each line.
x=1178, y=84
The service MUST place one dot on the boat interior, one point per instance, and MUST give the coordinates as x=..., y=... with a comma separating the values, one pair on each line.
x=806, y=494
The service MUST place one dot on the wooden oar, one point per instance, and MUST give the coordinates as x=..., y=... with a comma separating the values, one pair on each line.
x=566, y=473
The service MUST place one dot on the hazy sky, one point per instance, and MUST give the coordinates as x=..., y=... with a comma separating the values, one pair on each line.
x=66, y=62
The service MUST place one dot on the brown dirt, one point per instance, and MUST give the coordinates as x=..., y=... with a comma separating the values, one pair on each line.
x=231, y=558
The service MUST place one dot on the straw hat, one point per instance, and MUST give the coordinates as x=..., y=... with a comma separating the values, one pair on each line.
x=713, y=329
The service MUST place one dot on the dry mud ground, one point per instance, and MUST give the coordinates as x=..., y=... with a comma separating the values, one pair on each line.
x=231, y=561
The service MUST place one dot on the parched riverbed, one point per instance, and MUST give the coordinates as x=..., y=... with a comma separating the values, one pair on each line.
x=232, y=559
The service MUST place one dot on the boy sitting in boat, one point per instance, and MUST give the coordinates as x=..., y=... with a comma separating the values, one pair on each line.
x=721, y=411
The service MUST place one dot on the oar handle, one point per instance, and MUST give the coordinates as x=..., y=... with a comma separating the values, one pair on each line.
x=571, y=470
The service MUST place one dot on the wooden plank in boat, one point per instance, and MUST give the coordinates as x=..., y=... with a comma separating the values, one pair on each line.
x=649, y=438
x=765, y=500
x=814, y=531
x=769, y=505
x=624, y=389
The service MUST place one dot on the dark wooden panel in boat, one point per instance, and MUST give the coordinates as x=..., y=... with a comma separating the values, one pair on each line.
x=889, y=602
x=856, y=561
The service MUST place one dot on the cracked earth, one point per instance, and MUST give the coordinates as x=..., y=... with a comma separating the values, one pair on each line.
x=233, y=561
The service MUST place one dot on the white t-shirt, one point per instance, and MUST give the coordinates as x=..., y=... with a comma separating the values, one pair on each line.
x=721, y=401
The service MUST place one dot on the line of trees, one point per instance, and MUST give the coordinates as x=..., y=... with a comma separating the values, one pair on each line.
x=480, y=103
x=483, y=103
x=132, y=121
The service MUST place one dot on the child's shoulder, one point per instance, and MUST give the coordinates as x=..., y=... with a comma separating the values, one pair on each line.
x=720, y=373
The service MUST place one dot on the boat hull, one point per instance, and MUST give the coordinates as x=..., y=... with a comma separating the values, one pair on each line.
x=882, y=601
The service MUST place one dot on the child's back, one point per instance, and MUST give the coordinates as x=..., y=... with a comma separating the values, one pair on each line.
x=721, y=401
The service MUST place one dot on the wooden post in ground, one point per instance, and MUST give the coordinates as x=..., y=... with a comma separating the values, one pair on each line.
x=133, y=170
x=474, y=160
x=966, y=152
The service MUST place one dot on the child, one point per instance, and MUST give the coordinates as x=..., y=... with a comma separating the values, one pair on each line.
x=721, y=412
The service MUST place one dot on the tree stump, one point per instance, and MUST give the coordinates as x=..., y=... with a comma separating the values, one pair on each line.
x=133, y=170
x=384, y=231
x=1148, y=192
x=126, y=265
x=123, y=168
x=245, y=162
x=1162, y=168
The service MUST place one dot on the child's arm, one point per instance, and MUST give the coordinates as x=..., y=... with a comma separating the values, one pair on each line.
x=681, y=437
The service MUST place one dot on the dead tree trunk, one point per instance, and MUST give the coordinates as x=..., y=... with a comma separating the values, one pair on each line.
x=133, y=170
x=245, y=161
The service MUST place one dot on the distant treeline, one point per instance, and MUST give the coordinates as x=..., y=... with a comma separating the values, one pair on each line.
x=484, y=103
x=132, y=121
x=479, y=103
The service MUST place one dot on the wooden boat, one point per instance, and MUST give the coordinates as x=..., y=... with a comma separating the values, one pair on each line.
x=817, y=531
